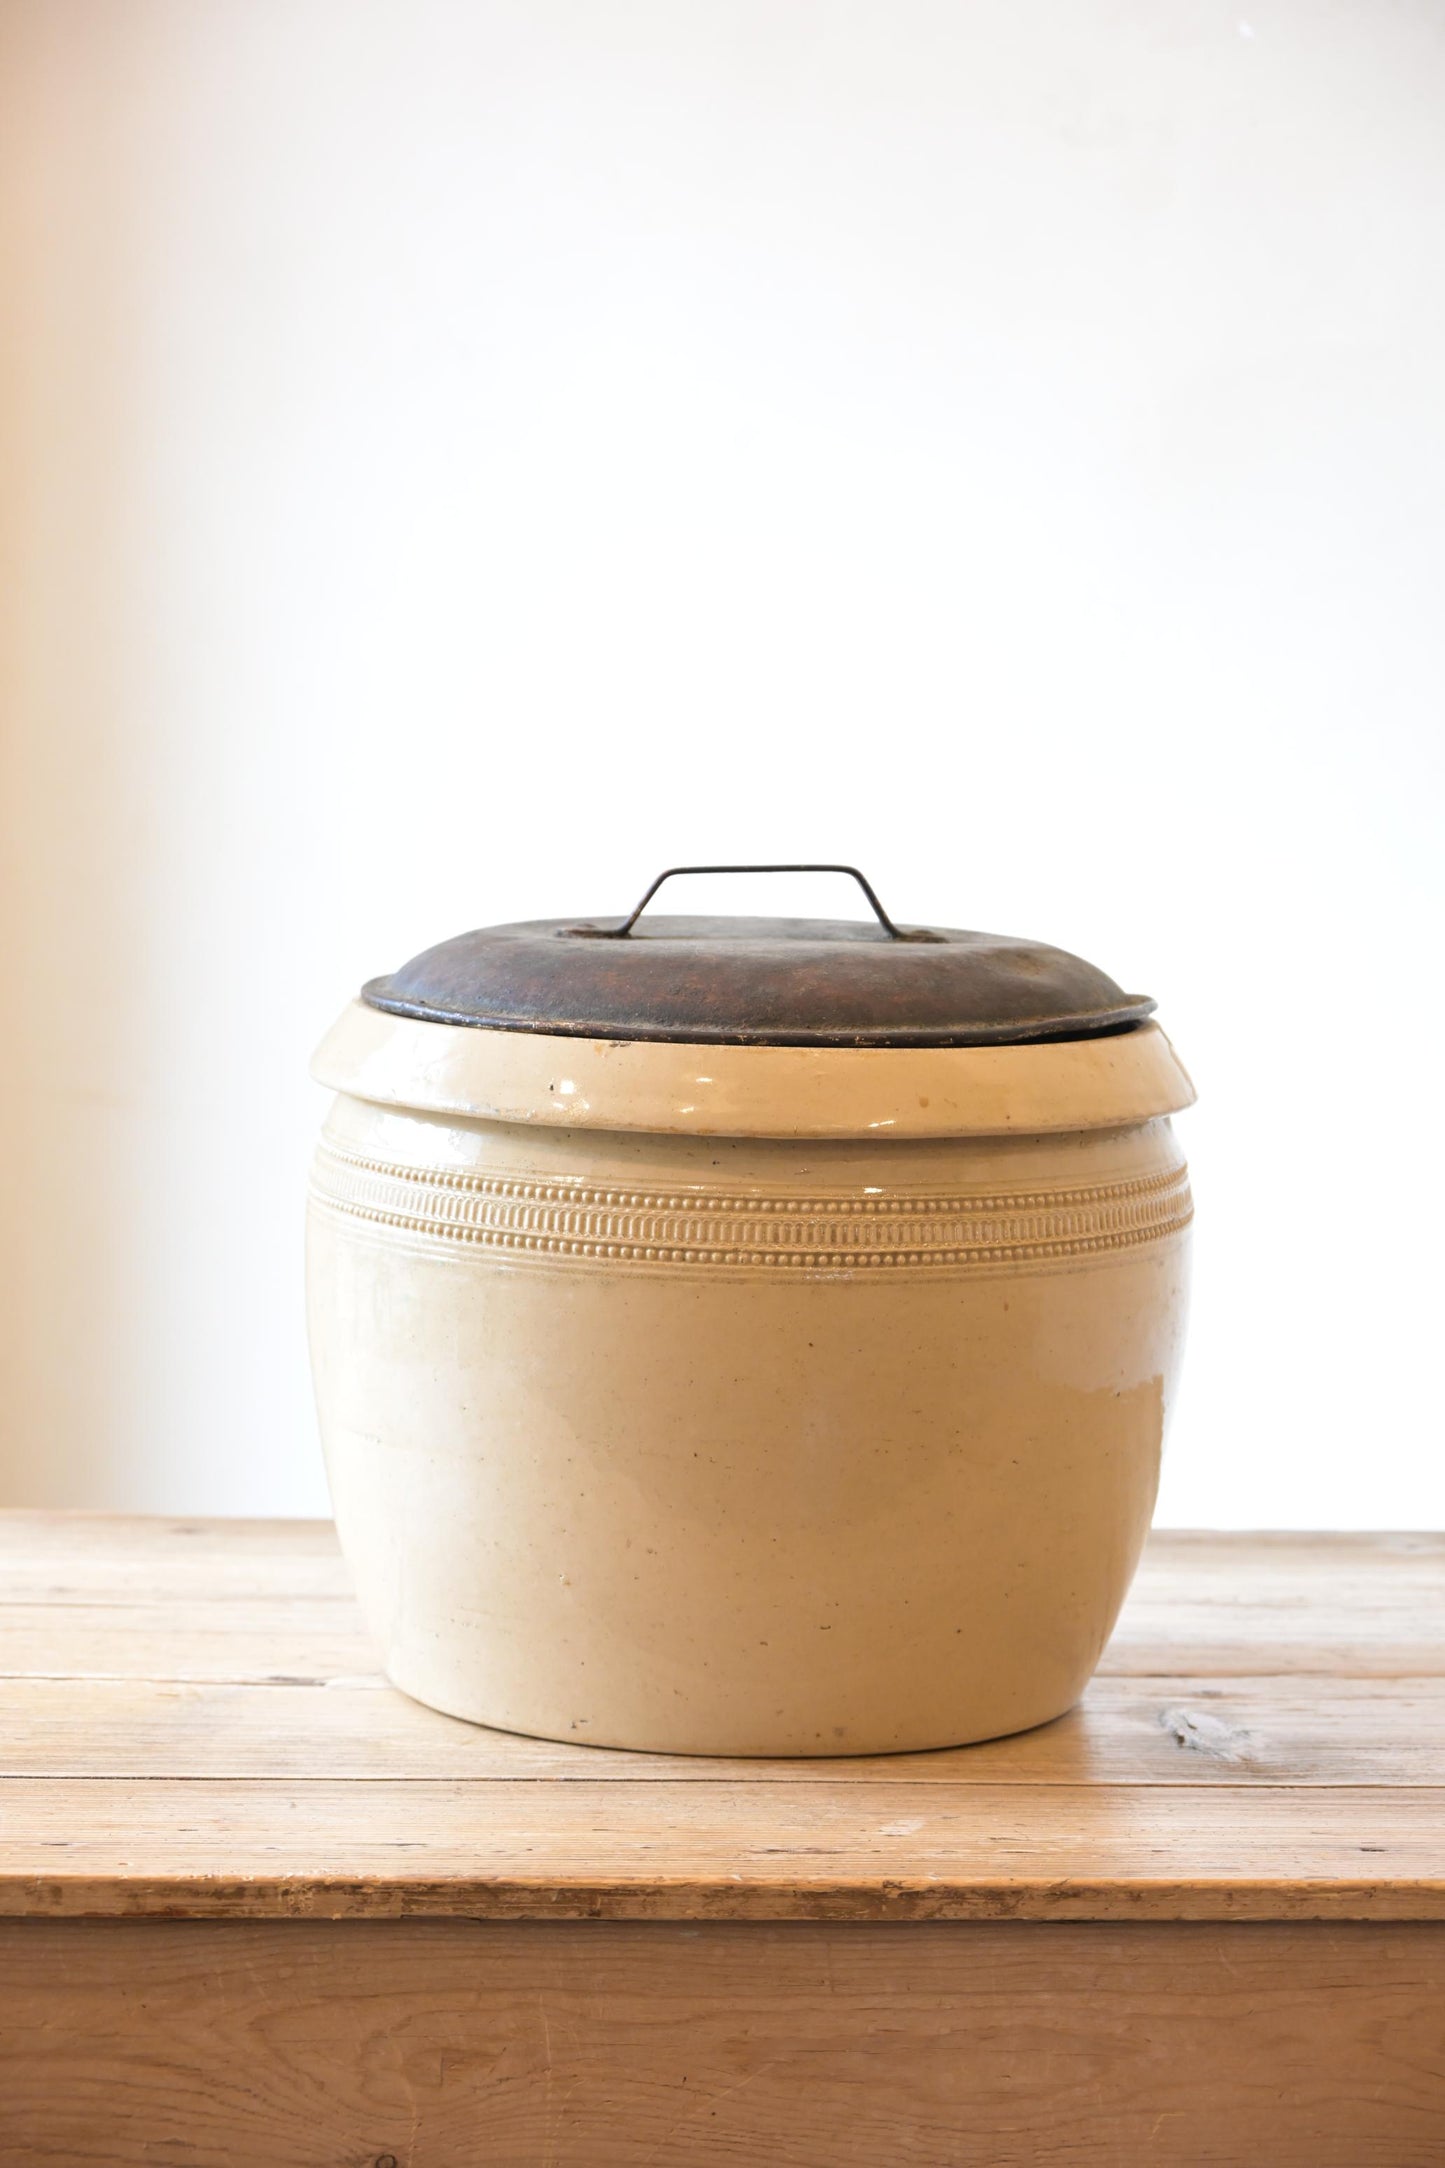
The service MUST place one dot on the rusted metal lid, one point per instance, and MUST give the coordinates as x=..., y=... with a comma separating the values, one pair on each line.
x=758, y=981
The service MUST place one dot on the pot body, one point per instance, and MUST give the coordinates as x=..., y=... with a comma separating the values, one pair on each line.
x=743, y=1445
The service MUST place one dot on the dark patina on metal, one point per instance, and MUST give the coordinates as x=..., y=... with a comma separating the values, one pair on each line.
x=759, y=981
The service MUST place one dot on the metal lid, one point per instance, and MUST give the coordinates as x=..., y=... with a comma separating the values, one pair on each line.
x=758, y=981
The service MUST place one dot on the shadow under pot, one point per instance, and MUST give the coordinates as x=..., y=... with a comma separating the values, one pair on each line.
x=746, y=1336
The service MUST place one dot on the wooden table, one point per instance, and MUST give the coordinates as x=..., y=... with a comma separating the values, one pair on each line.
x=259, y=1908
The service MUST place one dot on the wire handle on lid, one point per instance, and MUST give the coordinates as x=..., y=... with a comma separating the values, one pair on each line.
x=894, y=933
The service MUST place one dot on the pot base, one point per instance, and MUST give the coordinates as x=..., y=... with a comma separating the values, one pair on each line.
x=745, y=1746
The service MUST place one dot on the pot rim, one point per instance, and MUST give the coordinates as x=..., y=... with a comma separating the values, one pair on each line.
x=687, y=1088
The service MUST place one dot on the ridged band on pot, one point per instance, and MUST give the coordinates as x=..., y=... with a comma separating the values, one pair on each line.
x=578, y=1220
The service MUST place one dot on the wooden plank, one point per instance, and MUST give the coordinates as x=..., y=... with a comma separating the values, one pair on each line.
x=232, y=1640
x=403, y=2045
x=1362, y=1606
x=118, y=1553
x=98, y=1557
x=91, y=1596
x=641, y=1850
x=1289, y=1731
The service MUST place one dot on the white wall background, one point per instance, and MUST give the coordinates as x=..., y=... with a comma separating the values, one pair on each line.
x=460, y=455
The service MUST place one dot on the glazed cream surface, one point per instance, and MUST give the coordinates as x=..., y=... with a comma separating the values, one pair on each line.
x=722, y=1444
x=661, y=1087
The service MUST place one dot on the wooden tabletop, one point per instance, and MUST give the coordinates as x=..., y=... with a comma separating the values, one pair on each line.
x=193, y=1726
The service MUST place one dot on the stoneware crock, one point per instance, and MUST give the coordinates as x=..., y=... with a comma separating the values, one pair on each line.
x=742, y=1336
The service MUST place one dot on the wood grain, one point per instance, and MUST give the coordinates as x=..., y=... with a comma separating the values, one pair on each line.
x=257, y=1907
x=94, y=1596
x=1288, y=1731
x=226, y=1641
x=432, y=2044
x=191, y=1723
x=1344, y=1606
x=119, y=1554
x=534, y=1848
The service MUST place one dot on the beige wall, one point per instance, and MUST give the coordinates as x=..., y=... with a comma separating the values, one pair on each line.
x=459, y=457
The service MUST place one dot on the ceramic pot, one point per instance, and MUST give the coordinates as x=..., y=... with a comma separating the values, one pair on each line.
x=726, y=1396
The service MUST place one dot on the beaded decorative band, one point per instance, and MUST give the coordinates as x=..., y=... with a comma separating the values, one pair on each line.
x=549, y=1218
